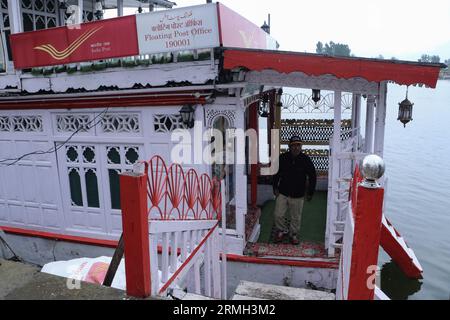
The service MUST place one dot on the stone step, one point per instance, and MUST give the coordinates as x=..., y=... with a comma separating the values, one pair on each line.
x=179, y=294
x=247, y=290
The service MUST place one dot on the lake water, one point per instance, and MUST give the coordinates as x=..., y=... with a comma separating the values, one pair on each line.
x=418, y=193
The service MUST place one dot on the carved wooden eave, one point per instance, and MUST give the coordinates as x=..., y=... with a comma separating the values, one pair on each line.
x=351, y=74
x=301, y=80
x=194, y=73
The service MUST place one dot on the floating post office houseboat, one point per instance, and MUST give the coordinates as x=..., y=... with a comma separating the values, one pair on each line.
x=89, y=108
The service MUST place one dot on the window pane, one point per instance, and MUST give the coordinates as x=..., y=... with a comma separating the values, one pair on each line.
x=113, y=155
x=75, y=187
x=114, y=188
x=72, y=154
x=131, y=155
x=89, y=155
x=27, y=22
x=92, y=189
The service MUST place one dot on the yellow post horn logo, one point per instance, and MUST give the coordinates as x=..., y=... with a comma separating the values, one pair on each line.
x=60, y=55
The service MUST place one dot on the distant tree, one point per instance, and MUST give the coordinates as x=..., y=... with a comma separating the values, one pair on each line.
x=447, y=62
x=380, y=56
x=394, y=58
x=435, y=59
x=319, y=47
x=429, y=58
x=333, y=49
x=424, y=58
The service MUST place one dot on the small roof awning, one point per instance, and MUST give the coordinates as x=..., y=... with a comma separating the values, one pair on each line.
x=373, y=70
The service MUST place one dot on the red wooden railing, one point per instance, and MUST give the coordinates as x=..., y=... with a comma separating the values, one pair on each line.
x=181, y=212
x=359, y=255
x=175, y=195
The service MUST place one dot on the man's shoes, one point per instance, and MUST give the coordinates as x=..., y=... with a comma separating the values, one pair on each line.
x=294, y=240
x=279, y=237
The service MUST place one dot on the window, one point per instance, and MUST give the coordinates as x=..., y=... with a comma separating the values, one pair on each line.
x=119, y=159
x=120, y=123
x=82, y=172
x=39, y=14
x=167, y=122
x=21, y=124
x=73, y=122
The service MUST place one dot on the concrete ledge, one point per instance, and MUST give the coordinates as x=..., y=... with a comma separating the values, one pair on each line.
x=254, y=290
x=20, y=281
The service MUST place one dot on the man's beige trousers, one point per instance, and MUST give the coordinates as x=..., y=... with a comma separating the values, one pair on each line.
x=294, y=206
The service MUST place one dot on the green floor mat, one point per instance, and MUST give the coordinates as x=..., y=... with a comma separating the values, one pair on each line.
x=313, y=224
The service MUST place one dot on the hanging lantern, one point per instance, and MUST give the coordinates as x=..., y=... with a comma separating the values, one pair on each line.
x=315, y=95
x=187, y=115
x=405, y=111
x=264, y=106
x=279, y=104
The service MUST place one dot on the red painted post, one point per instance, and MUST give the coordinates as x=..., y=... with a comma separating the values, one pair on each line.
x=367, y=213
x=133, y=199
x=253, y=124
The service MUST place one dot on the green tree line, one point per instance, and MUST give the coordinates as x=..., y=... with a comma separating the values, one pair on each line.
x=333, y=49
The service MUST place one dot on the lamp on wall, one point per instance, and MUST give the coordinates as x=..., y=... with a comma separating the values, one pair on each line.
x=315, y=95
x=187, y=115
x=405, y=110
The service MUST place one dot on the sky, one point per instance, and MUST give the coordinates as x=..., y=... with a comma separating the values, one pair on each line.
x=404, y=29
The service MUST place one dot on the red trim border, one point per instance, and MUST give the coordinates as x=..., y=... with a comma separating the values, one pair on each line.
x=293, y=263
x=64, y=237
x=113, y=244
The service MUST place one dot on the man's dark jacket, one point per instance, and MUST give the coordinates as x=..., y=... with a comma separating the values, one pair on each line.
x=291, y=177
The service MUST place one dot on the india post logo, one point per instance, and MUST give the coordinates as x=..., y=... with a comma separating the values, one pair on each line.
x=60, y=55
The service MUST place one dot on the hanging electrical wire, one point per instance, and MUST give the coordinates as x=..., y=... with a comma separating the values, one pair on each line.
x=55, y=148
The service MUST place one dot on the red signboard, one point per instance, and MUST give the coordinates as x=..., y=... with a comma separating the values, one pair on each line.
x=96, y=40
x=238, y=32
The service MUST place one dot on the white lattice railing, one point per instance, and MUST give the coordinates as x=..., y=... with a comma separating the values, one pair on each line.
x=186, y=246
x=345, y=158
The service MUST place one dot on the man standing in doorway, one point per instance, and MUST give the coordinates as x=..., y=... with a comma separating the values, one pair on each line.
x=289, y=187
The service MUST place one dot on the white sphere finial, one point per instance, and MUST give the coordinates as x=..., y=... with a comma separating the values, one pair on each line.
x=372, y=169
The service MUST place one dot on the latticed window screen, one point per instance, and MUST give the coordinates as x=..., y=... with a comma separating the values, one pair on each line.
x=301, y=103
x=39, y=14
x=21, y=124
x=84, y=165
x=88, y=15
x=120, y=123
x=312, y=131
x=82, y=170
x=4, y=27
x=167, y=122
x=319, y=158
x=119, y=159
x=73, y=122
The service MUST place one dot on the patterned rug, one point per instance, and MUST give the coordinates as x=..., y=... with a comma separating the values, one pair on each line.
x=251, y=219
x=302, y=250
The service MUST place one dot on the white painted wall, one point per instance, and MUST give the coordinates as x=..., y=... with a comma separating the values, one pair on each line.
x=35, y=192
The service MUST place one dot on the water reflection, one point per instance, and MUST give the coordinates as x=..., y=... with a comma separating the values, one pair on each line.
x=395, y=284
